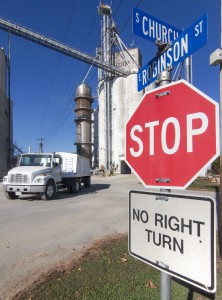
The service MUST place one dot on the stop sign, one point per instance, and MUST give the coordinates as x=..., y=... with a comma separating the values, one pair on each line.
x=172, y=136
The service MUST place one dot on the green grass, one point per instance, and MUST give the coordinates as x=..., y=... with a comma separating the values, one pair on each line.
x=105, y=272
x=202, y=183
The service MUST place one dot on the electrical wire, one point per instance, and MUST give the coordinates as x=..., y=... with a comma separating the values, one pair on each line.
x=130, y=17
x=68, y=108
x=52, y=124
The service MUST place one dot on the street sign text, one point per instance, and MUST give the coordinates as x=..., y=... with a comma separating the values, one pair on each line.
x=186, y=44
x=152, y=29
x=166, y=136
x=174, y=239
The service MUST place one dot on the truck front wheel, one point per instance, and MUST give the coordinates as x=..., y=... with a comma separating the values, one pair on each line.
x=50, y=190
x=11, y=195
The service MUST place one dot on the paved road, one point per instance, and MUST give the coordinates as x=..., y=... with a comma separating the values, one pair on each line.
x=35, y=235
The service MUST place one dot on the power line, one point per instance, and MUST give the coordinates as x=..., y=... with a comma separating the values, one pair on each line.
x=56, y=73
x=67, y=110
x=130, y=17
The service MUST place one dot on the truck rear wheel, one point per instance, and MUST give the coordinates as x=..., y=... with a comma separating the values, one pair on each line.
x=87, y=181
x=75, y=187
x=11, y=195
x=50, y=190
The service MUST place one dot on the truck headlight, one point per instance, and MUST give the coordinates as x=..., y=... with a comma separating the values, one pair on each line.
x=39, y=180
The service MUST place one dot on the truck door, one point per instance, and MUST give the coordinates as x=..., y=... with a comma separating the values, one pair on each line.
x=56, y=168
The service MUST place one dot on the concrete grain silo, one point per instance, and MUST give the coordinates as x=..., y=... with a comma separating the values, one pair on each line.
x=95, y=139
x=83, y=101
x=118, y=113
x=124, y=98
x=5, y=119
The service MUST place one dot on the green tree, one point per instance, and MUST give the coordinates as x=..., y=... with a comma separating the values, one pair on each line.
x=215, y=167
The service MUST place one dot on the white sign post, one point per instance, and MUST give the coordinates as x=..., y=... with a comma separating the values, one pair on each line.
x=175, y=234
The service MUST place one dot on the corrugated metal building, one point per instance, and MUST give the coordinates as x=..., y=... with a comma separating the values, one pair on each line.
x=5, y=119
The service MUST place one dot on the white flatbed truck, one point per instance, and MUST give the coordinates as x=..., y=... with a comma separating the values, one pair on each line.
x=46, y=173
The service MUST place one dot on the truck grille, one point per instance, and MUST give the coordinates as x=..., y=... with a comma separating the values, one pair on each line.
x=18, y=178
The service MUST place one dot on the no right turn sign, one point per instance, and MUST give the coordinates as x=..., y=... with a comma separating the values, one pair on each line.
x=176, y=234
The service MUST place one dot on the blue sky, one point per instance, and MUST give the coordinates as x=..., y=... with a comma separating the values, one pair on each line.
x=43, y=82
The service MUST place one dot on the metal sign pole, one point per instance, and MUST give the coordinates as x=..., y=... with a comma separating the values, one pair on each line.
x=165, y=286
x=165, y=279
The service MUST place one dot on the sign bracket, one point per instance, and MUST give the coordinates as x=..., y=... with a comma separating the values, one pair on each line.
x=161, y=264
x=167, y=180
x=162, y=198
x=162, y=94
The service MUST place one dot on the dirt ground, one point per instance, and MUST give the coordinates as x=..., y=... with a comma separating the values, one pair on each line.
x=65, y=266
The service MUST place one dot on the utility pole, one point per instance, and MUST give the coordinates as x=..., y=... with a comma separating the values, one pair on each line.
x=216, y=59
x=41, y=144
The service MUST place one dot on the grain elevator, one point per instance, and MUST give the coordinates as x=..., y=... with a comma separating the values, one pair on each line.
x=124, y=99
x=117, y=96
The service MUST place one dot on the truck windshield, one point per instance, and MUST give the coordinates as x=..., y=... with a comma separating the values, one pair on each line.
x=36, y=160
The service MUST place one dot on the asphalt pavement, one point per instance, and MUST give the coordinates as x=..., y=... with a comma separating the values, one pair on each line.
x=37, y=235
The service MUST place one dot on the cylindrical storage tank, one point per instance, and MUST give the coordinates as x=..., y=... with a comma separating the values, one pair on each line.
x=83, y=102
x=132, y=96
x=118, y=124
x=125, y=100
x=101, y=126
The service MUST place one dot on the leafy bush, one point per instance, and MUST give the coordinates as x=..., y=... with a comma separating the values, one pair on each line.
x=215, y=167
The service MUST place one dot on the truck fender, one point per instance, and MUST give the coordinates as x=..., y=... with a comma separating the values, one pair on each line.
x=49, y=177
x=42, y=179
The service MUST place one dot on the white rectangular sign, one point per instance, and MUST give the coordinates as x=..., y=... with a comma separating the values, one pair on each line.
x=175, y=234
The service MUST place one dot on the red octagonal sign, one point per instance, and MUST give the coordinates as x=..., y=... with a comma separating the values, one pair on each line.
x=172, y=136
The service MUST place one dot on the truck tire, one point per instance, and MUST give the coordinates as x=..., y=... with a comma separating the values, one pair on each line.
x=50, y=190
x=11, y=195
x=75, y=187
x=87, y=182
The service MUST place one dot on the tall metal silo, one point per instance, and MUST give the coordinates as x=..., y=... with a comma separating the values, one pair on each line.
x=83, y=109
